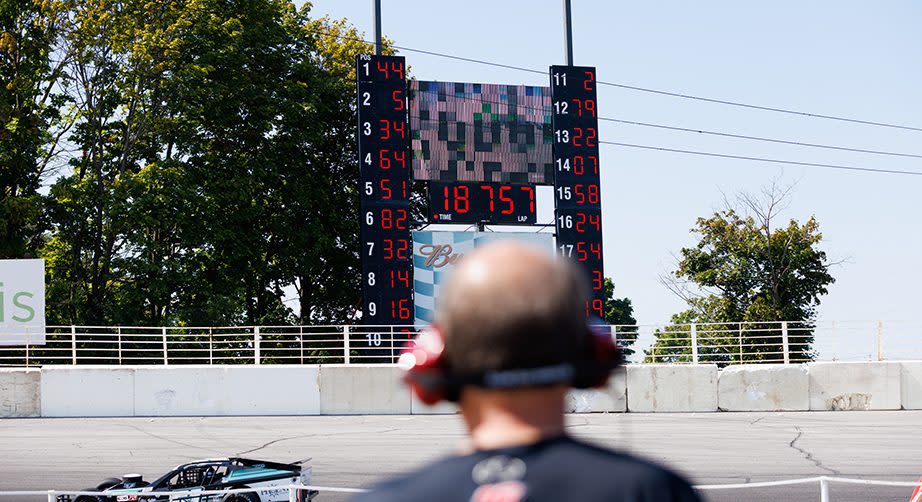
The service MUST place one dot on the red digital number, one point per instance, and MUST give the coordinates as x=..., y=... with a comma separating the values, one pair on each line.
x=577, y=135
x=382, y=68
x=585, y=249
x=394, y=219
x=597, y=282
x=531, y=197
x=586, y=193
x=385, y=190
x=595, y=307
x=388, y=126
x=588, y=82
x=585, y=104
x=399, y=248
x=462, y=199
x=503, y=190
x=594, y=220
x=400, y=278
x=386, y=69
x=397, y=97
x=595, y=249
x=489, y=189
x=400, y=309
x=579, y=164
x=592, y=136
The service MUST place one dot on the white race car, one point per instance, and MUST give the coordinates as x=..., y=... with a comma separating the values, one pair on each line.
x=271, y=479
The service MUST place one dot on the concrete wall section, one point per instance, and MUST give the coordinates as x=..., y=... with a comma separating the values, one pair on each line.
x=20, y=392
x=363, y=390
x=671, y=387
x=763, y=387
x=854, y=386
x=612, y=398
x=911, y=385
x=87, y=391
x=226, y=390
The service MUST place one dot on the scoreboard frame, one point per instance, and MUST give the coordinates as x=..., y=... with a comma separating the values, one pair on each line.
x=577, y=187
x=384, y=186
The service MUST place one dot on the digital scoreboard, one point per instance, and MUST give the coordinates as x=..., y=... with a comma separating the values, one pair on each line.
x=385, y=162
x=577, y=192
x=492, y=203
x=481, y=150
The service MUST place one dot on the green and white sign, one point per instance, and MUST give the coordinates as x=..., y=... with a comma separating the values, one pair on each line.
x=22, y=302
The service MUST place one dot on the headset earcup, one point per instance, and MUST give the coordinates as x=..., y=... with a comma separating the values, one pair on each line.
x=423, y=361
x=601, y=358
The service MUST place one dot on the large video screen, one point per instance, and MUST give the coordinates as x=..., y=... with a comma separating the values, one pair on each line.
x=481, y=132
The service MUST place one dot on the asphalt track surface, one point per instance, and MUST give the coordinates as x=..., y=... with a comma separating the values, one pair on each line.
x=355, y=451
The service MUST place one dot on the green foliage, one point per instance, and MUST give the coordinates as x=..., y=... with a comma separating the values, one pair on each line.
x=619, y=312
x=747, y=274
x=29, y=118
x=214, y=165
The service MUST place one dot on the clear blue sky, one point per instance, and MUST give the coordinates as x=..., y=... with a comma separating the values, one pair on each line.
x=849, y=58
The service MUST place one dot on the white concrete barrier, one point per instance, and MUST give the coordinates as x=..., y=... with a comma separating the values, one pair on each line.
x=363, y=390
x=671, y=387
x=612, y=398
x=911, y=385
x=854, y=385
x=763, y=387
x=20, y=392
x=87, y=391
x=417, y=407
x=226, y=390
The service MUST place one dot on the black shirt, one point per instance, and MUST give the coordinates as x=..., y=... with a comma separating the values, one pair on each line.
x=557, y=470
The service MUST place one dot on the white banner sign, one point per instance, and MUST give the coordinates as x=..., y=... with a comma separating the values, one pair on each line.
x=22, y=302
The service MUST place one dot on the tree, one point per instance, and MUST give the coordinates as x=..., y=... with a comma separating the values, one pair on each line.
x=749, y=271
x=619, y=312
x=30, y=120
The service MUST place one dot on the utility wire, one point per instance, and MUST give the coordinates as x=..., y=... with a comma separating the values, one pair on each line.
x=471, y=97
x=642, y=89
x=738, y=157
x=763, y=159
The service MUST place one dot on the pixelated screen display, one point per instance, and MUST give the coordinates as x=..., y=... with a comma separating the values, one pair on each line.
x=481, y=132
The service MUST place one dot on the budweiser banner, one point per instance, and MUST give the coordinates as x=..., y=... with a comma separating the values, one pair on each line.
x=436, y=253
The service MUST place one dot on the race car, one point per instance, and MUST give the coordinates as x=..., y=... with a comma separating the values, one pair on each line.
x=271, y=479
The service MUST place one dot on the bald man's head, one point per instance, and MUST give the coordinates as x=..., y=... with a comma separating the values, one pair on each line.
x=510, y=305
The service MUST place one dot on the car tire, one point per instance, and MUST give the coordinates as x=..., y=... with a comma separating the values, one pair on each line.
x=87, y=498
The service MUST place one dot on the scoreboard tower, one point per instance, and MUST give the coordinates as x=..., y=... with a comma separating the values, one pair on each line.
x=386, y=175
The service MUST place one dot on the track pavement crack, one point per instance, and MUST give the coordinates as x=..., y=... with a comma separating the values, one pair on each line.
x=807, y=454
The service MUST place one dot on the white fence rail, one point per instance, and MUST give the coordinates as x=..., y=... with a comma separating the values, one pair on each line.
x=722, y=343
x=824, y=483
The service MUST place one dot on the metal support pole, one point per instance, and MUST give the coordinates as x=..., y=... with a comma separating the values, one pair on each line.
x=694, y=343
x=292, y=494
x=346, y=344
x=52, y=495
x=210, y=345
x=377, y=27
x=785, y=346
x=257, y=349
x=393, y=342
x=568, y=30
x=119, y=332
x=824, y=489
x=73, y=344
x=880, y=340
x=166, y=360
x=741, y=342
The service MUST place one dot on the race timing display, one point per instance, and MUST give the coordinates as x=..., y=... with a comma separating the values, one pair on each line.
x=384, y=176
x=493, y=203
x=577, y=196
x=480, y=150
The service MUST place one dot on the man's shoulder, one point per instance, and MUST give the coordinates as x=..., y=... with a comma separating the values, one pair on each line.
x=565, y=468
x=428, y=481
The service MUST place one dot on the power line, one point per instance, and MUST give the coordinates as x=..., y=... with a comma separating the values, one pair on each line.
x=757, y=138
x=469, y=97
x=736, y=157
x=763, y=159
x=646, y=89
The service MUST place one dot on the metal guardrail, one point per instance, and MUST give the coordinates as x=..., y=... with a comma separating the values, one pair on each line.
x=722, y=343
x=293, y=490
